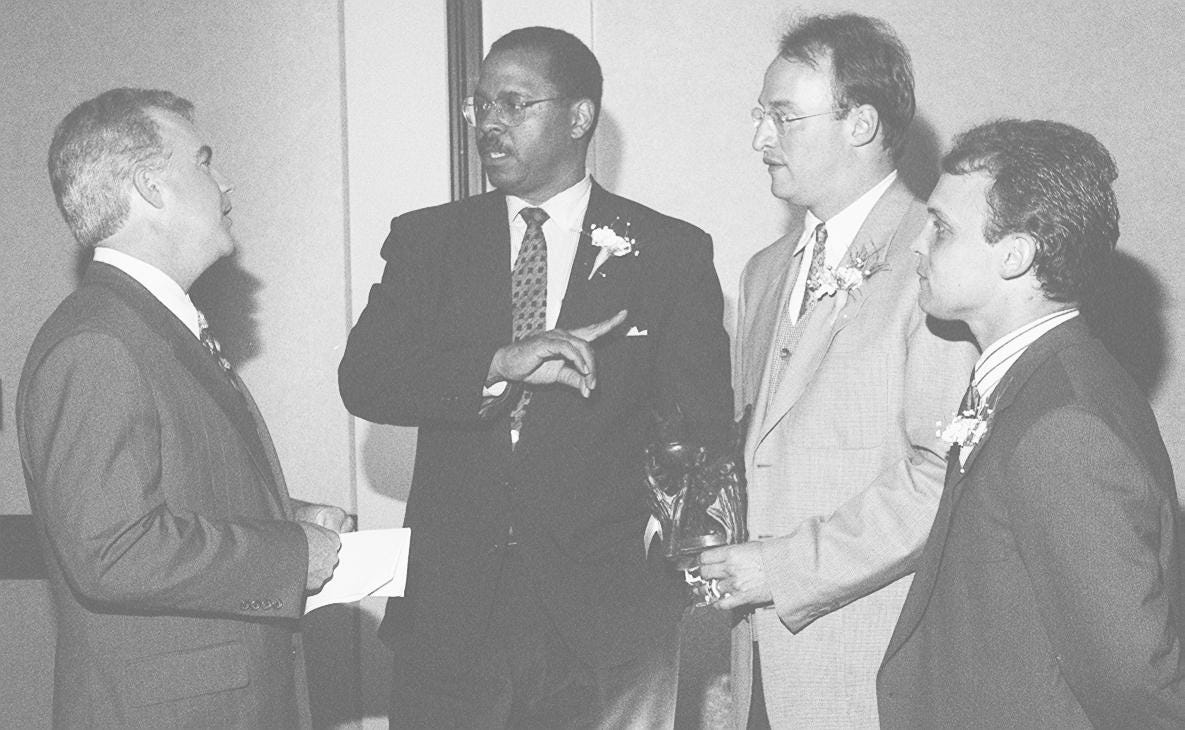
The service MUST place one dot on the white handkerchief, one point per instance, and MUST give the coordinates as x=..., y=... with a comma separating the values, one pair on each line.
x=635, y=332
x=370, y=563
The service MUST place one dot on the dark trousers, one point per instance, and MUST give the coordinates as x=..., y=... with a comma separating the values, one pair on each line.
x=526, y=676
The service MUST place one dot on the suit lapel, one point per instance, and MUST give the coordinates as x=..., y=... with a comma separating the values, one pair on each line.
x=588, y=300
x=832, y=313
x=957, y=477
x=192, y=355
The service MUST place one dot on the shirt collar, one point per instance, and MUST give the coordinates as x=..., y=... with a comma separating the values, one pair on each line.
x=566, y=207
x=844, y=225
x=999, y=357
x=157, y=282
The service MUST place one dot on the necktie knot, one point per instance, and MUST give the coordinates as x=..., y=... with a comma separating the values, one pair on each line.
x=534, y=217
x=821, y=234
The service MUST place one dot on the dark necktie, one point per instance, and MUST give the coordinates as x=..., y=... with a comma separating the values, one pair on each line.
x=528, y=284
x=818, y=259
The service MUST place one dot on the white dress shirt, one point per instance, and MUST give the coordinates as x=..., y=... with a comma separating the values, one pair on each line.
x=841, y=232
x=562, y=229
x=157, y=282
x=565, y=216
x=997, y=359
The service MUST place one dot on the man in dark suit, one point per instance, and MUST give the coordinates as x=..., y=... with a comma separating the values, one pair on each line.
x=1048, y=594
x=529, y=599
x=176, y=562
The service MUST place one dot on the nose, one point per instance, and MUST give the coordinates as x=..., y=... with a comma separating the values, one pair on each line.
x=921, y=242
x=764, y=135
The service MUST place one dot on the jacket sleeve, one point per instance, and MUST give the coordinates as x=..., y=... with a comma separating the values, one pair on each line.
x=1095, y=532
x=397, y=368
x=876, y=536
x=96, y=460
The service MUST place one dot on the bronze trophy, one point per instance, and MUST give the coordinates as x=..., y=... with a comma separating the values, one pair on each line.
x=697, y=494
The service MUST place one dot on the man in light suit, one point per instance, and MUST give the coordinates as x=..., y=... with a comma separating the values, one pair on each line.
x=529, y=599
x=1049, y=592
x=846, y=378
x=177, y=563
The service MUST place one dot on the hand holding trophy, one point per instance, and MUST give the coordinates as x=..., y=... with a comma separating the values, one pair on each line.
x=697, y=494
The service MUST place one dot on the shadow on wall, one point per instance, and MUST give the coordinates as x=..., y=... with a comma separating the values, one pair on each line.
x=607, y=151
x=226, y=295
x=1126, y=312
x=920, y=157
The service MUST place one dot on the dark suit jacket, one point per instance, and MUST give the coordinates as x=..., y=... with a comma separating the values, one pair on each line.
x=161, y=508
x=1049, y=594
x=419, y=355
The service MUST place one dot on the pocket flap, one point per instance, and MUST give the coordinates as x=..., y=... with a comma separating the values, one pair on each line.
x=191, y=673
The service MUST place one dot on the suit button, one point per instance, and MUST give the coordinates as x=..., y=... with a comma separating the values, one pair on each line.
x=784, y=353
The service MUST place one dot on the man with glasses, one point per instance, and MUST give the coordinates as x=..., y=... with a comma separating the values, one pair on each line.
x=847, y=379
x=530, y=333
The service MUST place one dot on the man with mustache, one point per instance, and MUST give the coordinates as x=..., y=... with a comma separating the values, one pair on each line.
x=530, y=333
x=1049, y=593
x=177, y=561
x=847, y=379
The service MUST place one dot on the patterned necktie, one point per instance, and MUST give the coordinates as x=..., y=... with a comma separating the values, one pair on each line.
x=818, y=259
x=528, y=285
x=206, y=337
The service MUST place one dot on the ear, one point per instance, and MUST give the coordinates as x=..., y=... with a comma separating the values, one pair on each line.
x=863, y=124
x=147, y=185
x=583, y=112
x=1017, y=252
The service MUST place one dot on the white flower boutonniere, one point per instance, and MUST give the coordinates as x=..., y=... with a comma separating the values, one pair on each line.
x=832, y=279
x=967, y=428
x=611, y=243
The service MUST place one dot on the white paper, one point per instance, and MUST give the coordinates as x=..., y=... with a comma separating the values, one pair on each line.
x=370, y=563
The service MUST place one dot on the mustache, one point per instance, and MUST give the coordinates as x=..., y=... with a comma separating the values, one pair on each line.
x=490, y=143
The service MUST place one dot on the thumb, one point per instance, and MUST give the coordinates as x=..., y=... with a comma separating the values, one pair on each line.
x=588, y=333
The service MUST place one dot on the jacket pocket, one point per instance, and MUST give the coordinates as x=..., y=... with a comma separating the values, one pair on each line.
x=191, y=673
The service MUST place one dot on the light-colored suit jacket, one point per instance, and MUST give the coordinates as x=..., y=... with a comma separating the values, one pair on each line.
x=177, y=578
x=844, y=469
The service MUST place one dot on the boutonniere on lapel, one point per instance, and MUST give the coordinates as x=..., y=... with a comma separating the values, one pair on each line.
x=968, y=427
x=832, y=279
x=611, y=243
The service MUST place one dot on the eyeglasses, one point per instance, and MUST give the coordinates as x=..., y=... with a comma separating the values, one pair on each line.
x=509, y=112
x=781, y=121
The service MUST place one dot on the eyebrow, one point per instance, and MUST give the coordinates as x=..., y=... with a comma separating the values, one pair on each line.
x=936, y=213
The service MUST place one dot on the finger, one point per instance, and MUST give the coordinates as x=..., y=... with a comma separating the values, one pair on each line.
x=593, y=331
x=711, y=557
x=563, y=345
x=573, y=379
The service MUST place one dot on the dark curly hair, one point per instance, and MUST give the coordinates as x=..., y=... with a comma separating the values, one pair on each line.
x=870, y=65
x=1052, y=182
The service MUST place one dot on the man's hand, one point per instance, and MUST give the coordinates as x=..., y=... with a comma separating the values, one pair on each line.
x=554, y=356
x=739, y=575
x=324, y=515
x=323, y=546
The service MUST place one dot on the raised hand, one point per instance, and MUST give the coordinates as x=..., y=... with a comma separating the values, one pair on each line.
x=555, y=356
